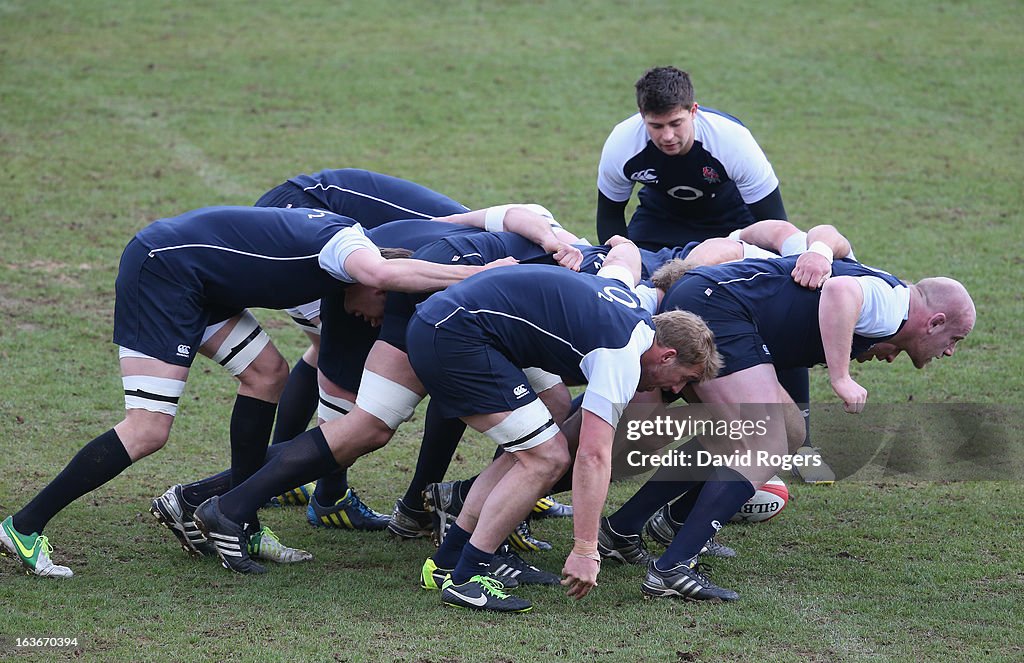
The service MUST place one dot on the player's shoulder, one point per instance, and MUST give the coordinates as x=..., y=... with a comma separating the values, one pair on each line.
x=629, y=136
x=714, y=126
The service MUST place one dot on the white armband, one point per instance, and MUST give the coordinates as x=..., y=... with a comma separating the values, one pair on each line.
x=494, y=218
x=735, y=235
x=619, y=273
x=821, y=248
x=795, y=244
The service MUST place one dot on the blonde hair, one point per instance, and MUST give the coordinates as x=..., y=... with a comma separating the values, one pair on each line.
x=665, y=276
x=690, y=337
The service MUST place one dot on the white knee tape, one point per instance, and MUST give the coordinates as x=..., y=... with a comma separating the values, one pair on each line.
x=525, y=428
x=333, y=407
x=389, y=401
x=143, y=392
x=541, y=380
x=242, y=346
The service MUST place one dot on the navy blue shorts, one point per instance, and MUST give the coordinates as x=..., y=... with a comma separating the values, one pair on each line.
x=400, y=306
x=157, y=314
x=736, y=335
x=464, y=374
x=288, y=195
x=345, y=341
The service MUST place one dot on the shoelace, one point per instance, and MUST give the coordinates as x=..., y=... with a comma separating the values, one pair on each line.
x=636, y=541
x=359, y=506
x=492, y=586
x=44, y=545
x=514, y=561
x=702, y=571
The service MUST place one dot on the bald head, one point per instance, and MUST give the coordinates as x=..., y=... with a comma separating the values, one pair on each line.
x=941, y=315
x=944, y=295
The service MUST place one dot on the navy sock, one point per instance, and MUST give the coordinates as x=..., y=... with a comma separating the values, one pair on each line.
x=251, y=421
x=797, y=383
x=95, y=464
x=722, y=495
x=295, y=463
x=681, y=508
x=197, y=492
x=473, y=562
x=441, y=436
x=447, y=556
x=665, y=485
x=631, y=516
x=331, y=488
x=298, y=402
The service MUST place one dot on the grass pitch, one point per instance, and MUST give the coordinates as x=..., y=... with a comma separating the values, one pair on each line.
x=897, y=121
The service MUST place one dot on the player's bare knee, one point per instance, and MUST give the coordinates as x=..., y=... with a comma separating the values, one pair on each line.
x=267, y=375
x=376, y=434
x=557, y=459
x=143, y=432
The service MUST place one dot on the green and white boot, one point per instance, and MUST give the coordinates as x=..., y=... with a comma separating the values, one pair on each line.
x=32, y=549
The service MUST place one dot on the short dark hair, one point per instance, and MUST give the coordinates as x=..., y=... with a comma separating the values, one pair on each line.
x=663, y=89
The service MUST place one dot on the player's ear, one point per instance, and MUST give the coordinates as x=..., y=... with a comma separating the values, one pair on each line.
x=936, y=321
x=668, y=355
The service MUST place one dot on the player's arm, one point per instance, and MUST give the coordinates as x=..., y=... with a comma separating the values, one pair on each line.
x=769, y=207
x=830, y=237
x=624, y=254
x=838, y=310
x=404, y=274
x=611, y=218
x=591, y=475
x=532, y=221
x=771, y=235
x=814, y=266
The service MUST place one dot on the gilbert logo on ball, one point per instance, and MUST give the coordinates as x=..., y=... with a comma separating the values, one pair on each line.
x=766, y=503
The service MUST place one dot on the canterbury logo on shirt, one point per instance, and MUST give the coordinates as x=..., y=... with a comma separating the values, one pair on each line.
x=647, y=175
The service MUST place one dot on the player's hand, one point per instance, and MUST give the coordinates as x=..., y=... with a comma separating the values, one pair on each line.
x=580, y=575
x=852, y=394
x=501, y=262
x=568, y=256
x=812, y=270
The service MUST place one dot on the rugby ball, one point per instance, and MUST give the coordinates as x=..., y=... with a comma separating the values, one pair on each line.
x=766, y=503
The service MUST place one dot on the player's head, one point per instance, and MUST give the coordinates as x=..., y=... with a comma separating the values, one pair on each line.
x=663, y=89
x=664, y=96
x=683, y=352
x=942, y=314
x=367, y=302
x=665, y=276
x=946, y=317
